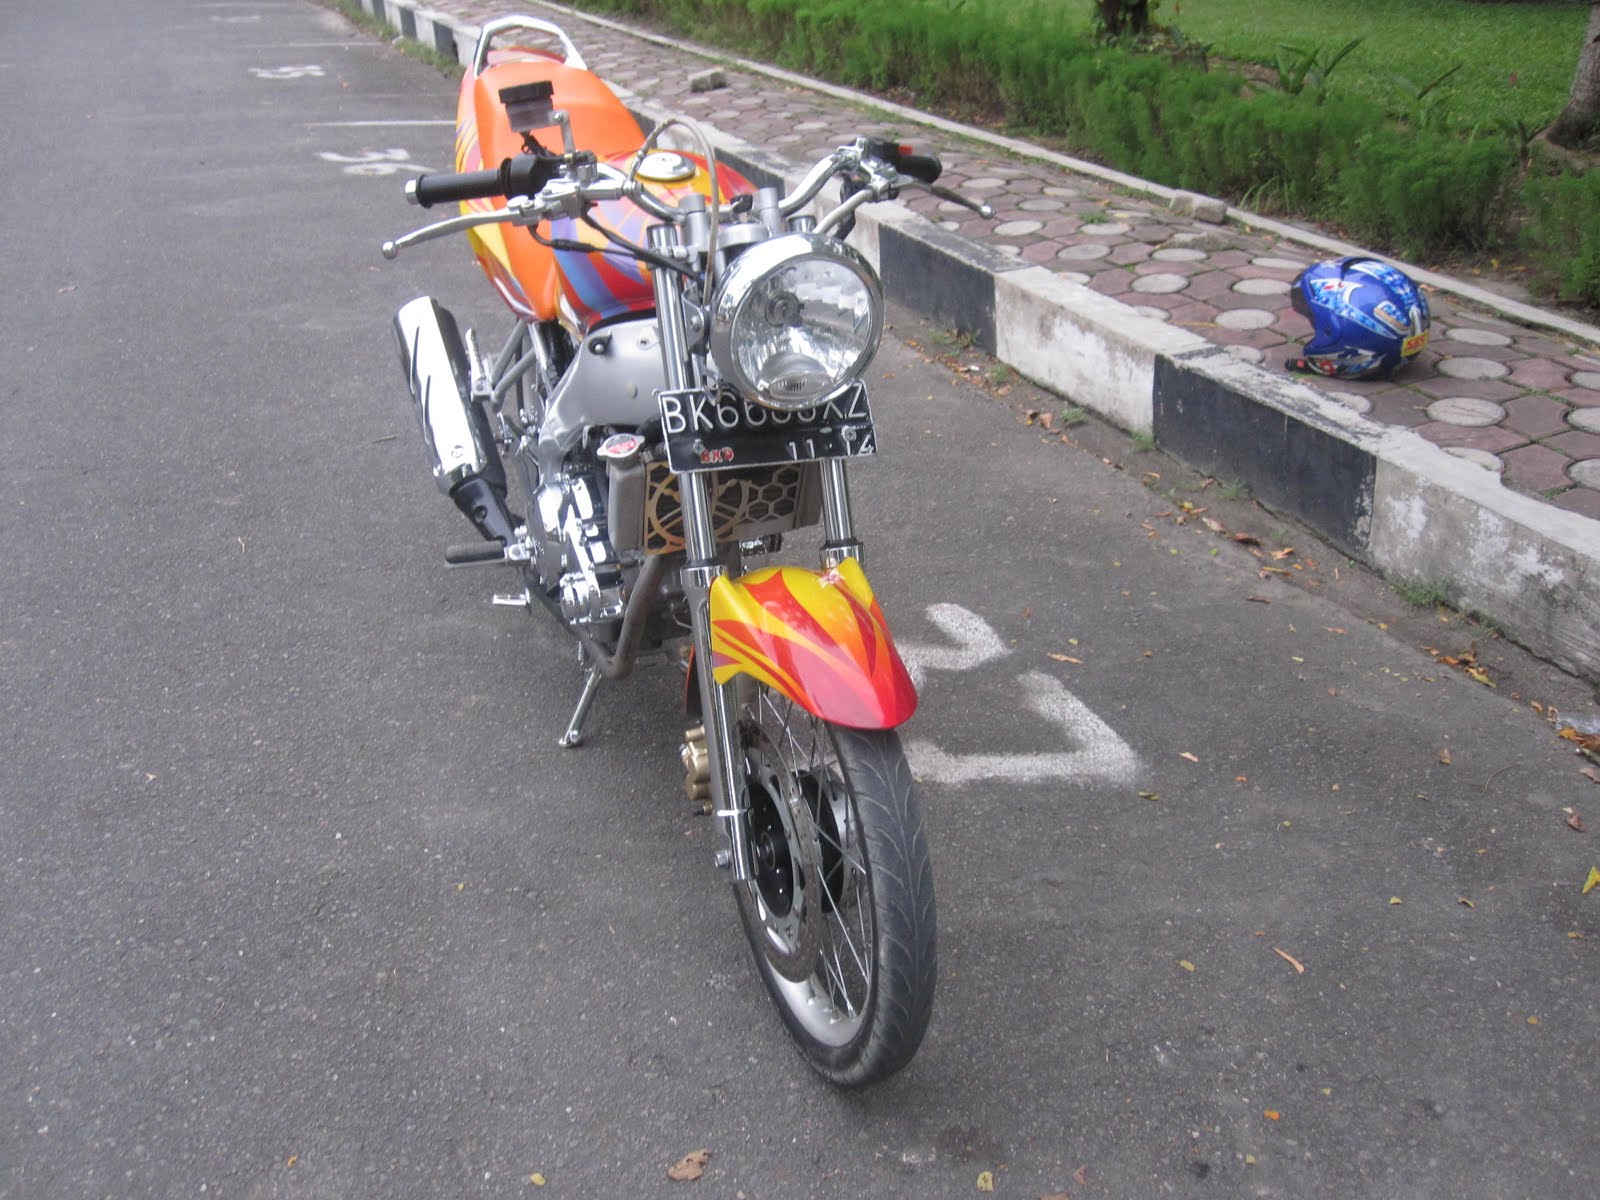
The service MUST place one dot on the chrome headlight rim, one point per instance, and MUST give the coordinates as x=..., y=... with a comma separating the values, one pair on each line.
x=758, y=264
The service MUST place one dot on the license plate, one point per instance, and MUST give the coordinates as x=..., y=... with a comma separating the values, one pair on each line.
x=705, y=431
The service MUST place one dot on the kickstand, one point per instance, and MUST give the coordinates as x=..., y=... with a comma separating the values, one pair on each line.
x=591, y=684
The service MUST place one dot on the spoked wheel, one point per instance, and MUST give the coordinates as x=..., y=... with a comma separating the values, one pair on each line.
x=839, y=906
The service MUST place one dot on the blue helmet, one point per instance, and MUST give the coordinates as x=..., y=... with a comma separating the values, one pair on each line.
x=1367, y=318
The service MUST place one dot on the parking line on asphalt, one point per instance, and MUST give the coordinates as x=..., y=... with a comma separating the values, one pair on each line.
x=376, y=124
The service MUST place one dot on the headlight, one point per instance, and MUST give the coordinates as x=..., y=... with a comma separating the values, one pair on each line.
x=795, y=319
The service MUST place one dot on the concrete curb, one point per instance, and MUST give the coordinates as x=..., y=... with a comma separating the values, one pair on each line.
x=1383, y=495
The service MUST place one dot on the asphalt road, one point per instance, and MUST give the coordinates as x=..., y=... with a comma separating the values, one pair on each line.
x=1240, y=893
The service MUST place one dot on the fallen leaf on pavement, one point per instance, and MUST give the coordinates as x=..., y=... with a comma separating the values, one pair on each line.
x=1464, y=902
x=690, y=1167
x=1284, y=553
x=1588, y=743
x=1299, y=968
x=1186, y=964
x=1189, y=756
x=1272, y=1114
x=1594, y=776
x=1259, y=599
x=986, y=1181
x=1444, y=755
x=1575, y=822
x=1213, y=524
x=1067, y=658
x=1593, y=881
x=1247, y=539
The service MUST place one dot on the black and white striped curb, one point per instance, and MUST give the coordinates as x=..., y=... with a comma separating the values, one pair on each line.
x=1382, y=494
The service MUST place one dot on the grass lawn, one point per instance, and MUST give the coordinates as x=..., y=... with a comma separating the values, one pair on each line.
x=1517, y=59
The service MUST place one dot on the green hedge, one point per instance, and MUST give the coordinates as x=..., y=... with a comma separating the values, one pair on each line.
x=1419, y=191
x=1562, y=233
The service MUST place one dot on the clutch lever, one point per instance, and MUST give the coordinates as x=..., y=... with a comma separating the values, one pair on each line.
x=516, y=209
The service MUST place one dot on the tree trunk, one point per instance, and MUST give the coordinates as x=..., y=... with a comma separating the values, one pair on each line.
x=1578, y=121
x=1118, y=18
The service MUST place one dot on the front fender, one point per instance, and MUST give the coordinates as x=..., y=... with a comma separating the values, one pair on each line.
x=819, y=638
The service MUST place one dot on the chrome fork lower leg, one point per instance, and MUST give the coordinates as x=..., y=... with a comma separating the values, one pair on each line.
x=717, y=706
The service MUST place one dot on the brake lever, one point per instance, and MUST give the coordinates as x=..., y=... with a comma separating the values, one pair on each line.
x=986, y=211
x=888, y=182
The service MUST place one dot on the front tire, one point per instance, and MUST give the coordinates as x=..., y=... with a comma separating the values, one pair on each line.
x=839, y=905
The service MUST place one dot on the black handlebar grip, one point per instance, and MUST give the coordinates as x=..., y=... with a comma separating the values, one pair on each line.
x=445, y=187
x=925, y=167
x=520, y=176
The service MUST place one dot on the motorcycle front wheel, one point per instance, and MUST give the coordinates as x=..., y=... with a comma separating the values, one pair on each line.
x=839, y=904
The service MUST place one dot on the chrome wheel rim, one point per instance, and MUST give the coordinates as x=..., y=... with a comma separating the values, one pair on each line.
x=810, y=898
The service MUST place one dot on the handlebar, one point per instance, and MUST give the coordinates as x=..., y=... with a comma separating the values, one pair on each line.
x=542, y=185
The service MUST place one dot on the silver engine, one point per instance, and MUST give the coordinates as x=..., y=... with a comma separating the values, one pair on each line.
x=576, y=563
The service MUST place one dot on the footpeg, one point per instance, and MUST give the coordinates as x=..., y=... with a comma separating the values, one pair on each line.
x=473, y=554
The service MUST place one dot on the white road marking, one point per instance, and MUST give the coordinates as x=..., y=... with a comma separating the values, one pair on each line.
x=311, y=71
x=975, y=644
x=1100, y=754
x=1097, y=751
x=375, y=124
x=374, y=162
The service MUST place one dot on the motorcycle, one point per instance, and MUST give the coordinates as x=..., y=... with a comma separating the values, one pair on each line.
x=682, y=387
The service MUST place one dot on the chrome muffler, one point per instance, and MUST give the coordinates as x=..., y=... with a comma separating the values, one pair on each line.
x=460, y=446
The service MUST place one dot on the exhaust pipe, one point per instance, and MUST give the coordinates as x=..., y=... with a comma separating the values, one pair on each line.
x=460, y=446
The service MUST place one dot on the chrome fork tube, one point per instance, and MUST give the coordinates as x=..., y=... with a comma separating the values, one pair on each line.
x=700, y=571
x=838, y=522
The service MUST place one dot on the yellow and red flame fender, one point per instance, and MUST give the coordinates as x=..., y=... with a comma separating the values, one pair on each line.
x=819, y=638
